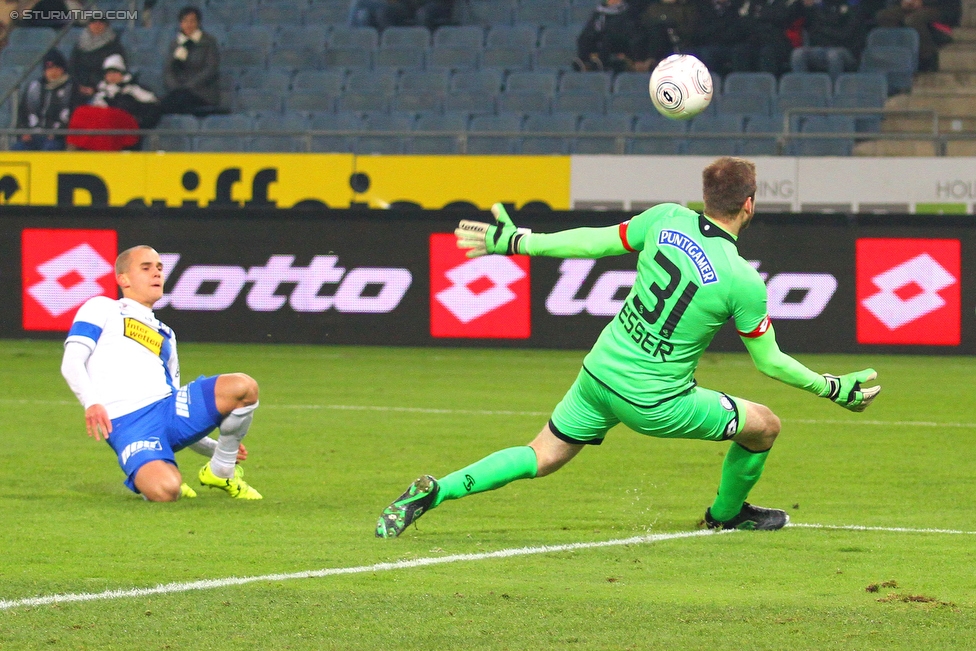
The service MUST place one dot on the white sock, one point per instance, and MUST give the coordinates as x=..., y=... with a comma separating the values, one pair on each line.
x=232, y=430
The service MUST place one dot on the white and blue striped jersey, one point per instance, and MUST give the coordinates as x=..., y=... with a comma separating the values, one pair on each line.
x=133, y=360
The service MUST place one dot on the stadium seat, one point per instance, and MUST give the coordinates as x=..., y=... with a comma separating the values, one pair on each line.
x=825, y=146
x=489, y=12
x=261, y=37
x=629, y=94
x=351, y=47
x=178, y=123
x=344, y=143
x=862, y=90
x=481, y=125
x=588, y=81
x=579, y=12
x=544, y=82
x=277, y=12
x=804, y=89
x=525, y=37
x=897, y=63
x=368, y=90
x=460, y=36
x=556, y=123
x=541, y=12
x=427, y=143
x=553, y=59
x=400, y=57
x=742, y=104
x=420, y=90
x=473, y=91
x=327, y=12
x=750, y=82
x=288, y=122
x=897, y=36
x=527, y=92
x=452, y=58
x=670, y=144
x=579, y=101
x=224, y=123
x=141, y=38
x=722, y=123
x=388, y=133
x=225, y=12
x=325, y=81
x=309, y=100
x=556, y=36
x=772, y=125
x=399, y=36
x=255, y=100
x=310, y=36
x=614, y=126
x=506, y=58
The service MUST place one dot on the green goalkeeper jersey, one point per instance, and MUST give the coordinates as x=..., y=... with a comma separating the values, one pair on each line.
x=690, y=281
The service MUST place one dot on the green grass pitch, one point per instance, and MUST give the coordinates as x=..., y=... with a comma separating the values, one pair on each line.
x=341, y=431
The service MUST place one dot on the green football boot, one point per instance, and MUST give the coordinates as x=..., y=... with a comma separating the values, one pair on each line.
x=415, y=501
x=751, y=517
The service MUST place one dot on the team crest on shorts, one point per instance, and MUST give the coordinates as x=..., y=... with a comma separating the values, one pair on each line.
x=140, y=446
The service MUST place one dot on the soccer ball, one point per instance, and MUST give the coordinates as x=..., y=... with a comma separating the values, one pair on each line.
x=681, y=87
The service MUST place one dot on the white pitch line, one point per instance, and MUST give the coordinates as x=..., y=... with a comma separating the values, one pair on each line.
x=504, y=412
x=210, y=584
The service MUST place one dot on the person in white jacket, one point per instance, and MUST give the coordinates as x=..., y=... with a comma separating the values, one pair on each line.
x=119, y=90
x=121, y=363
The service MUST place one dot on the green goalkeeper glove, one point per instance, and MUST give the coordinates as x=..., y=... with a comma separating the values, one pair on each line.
x=502, y=238
x=846, y=390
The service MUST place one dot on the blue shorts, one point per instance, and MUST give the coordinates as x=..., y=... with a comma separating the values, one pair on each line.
x=159, y=430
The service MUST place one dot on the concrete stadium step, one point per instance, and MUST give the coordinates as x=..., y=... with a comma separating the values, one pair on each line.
x=947, y=104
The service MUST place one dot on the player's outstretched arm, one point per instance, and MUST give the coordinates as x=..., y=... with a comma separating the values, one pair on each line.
x=845, y=390
x=504, y=238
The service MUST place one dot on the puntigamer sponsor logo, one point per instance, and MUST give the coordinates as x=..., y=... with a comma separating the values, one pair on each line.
x=690, y=248
x=320, y=286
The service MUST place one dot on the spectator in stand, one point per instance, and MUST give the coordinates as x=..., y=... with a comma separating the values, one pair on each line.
x=608, y=38
x=722, y=38
x=95, y=45
x=664, y=27
x=47, y=104
x=399, y=13
x=919, y=15
x=192, y=73
x=836, y=30
x=768, y=22
x=118, y=103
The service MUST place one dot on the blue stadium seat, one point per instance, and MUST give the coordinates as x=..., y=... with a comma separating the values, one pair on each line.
x=277, y=12
x=351, y=47
x=579, y=12
x=541, y=12
x=771, y=125
x=671, y=144
x=614, y=126
x=437, y=123
x=544, y=82
x=554, y=59
x=327, y=12
x=421, y=90
x=556, y=123
x=337, y=123
x=368, y=90
x=481, y=125
x=473, y=91
x=400, y=57
x=897, y=36
x=862, y=90
x=254, y=100
x=825, y=146
x=750, y=82
x=579, y=101
x=525, y=37
x=743, y=103
x=804, y=89
x=297, y=122
x=527, y=92
x=898, y=63
x=460, y=36
x=489, y=12
x=311, y=100
x=715, y=124
x=143, y=38
x=588, y=81
x=453, y=58
x=489, y=81
x=506, y=58
x=389, y=133
x=630, y=94
x=556, y=36
x=177, y=142
x=224, y=12
x=326, y=81
x=310, y=36
x=399, y=36
x=223, y=123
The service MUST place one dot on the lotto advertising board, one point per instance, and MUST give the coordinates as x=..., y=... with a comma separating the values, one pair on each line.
x=397, y=278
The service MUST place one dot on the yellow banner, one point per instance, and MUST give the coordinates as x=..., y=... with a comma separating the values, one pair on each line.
x=279, y=180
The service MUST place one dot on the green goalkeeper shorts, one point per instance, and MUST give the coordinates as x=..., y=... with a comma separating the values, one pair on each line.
x=590, y=408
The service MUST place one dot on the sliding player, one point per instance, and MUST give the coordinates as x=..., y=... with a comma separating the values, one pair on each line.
x=121, y=363
x=640, y=372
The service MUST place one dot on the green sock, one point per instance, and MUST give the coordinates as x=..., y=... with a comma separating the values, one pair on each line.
x=494, y=471
x=740, y=472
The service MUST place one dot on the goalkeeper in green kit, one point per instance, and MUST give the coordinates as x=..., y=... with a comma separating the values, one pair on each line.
x=640, y=372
